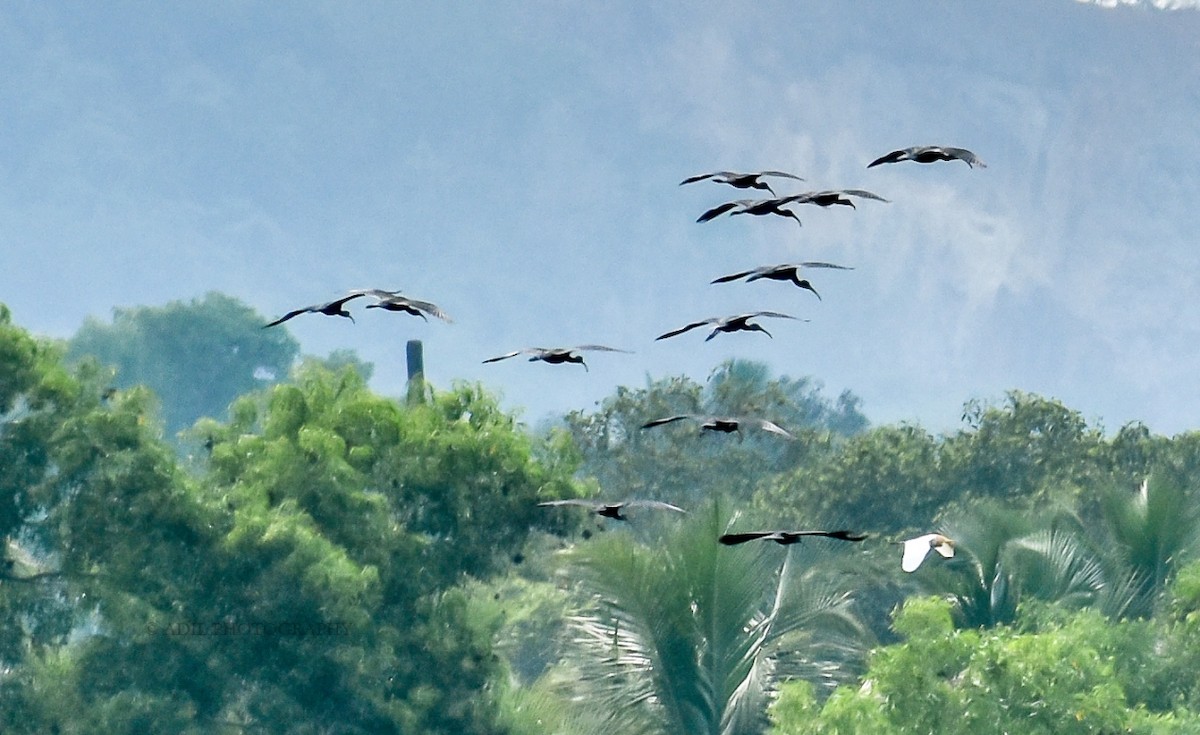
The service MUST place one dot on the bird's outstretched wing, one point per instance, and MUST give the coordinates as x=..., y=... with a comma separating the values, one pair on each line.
x=801, y=198
x=686, y=328
x=965, y=156
x=782, y=174
x=338, y=303
x=844, y=535
x=736, y=276
x=721, y=209
x=732, y=539
x=702, y=177
x=514, y=353
x=893, y=157
x=600, y=348
x=776, y=314
x=667, y=420
x=916, y=549
x=412, y=306
x=581, y=502
x=289, y=315
x=657, y=504
x=430, y=308
x=822, y=264
x=377, y=293
x=864, y=194
x=771, y=427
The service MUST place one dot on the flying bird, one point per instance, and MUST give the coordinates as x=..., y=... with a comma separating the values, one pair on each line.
x=752, y=206
x=829, y=197
x=378, y=293
x=916, y=549
x=736, y=323
x=784, y=538
x=556, y=355
x=416, y=307
x=784, y=272
x=929, y=154
x=332, y=308
x=613, y=510
x=723, y=424
x=741, y=180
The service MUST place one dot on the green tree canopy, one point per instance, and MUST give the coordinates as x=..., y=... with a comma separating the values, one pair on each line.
x=1079, y=676
x=303, y=579
x=1027, y=452
x=678, y=463
x=197, y=356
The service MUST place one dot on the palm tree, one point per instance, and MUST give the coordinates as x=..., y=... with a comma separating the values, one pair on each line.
x=1149, y=532
x=1007, y=557
x=978, y=579
x=694, y=636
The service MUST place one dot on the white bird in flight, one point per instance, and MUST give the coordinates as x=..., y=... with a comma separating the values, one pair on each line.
x=916, y=549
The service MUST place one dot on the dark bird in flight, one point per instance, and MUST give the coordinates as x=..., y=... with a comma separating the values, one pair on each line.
x=740, y=180
x=783, y=538
x=556, y=355
x=614, y=510
x=752, y=206
x=829, y=197
x=415, y=307
x=784, y=272
x=723, y=424
x=929, y=154
x=332, y=308
x=736, y=323
x=916, y=549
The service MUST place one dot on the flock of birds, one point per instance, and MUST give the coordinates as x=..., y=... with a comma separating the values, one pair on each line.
x=915, y=549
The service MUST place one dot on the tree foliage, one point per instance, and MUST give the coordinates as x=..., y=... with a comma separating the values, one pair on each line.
x=680, y=464
x=1078, y=676
x=303, y=576
x=687, y=635
x=197, y=356
x=1029, y=452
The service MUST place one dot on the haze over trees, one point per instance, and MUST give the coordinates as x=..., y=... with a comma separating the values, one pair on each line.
x=197, y=356
x=326, y=559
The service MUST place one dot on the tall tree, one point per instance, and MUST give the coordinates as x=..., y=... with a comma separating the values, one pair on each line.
x=303, y=578
x=1149, y=531
x=197, y=356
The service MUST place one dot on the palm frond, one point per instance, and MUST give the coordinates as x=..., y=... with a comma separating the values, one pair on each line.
x=1052, y=566
x=696, y=634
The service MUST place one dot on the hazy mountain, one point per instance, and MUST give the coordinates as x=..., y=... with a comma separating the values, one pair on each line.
x=518, y=163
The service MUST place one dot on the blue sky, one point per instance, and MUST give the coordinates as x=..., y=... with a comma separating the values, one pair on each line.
x=518, y=163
